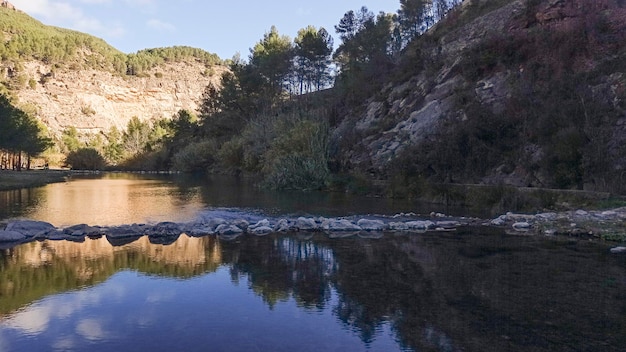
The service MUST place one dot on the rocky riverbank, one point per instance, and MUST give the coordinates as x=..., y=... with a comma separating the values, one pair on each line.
x=10, y=179
x=606, y=225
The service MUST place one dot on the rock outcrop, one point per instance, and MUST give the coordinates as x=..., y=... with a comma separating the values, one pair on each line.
x=423, y=108
x=93, y=101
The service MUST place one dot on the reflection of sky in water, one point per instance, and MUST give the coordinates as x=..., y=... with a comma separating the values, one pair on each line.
x=131, y=311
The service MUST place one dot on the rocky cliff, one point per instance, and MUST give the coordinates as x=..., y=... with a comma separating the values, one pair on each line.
x=529, y=93
x=96, y=100
x=67, y=78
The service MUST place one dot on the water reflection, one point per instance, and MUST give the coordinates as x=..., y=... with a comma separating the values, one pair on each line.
x=119, y=198
x=430, y=292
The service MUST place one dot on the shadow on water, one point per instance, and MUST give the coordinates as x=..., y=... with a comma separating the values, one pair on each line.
x=462, y=291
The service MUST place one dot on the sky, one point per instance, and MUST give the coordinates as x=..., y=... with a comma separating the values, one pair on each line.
x=223, y=27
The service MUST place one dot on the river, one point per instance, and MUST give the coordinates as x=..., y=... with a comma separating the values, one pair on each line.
x=473, y=289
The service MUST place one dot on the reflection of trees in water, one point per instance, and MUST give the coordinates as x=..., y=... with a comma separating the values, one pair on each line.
x=282, y=267
x=449, y=292
x=16, y=203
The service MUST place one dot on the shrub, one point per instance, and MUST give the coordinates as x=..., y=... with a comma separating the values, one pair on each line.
x=87, y=110
x=298, y=157
x=197, y=156
x=85, y=159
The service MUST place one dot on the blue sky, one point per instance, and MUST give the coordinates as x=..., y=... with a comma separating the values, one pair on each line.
x=222, y=27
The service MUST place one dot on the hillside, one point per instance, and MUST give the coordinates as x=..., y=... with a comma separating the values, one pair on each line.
x=68, y=78
x=522, y=92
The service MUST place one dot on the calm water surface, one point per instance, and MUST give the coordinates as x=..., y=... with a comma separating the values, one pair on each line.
x=469, y=290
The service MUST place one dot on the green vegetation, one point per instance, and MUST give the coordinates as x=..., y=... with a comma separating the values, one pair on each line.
x=27, y=38
x=21, y=136
x=85, y=159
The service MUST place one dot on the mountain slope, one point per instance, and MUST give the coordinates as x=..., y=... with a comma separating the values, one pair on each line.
x=71, y=79
x=524, y=92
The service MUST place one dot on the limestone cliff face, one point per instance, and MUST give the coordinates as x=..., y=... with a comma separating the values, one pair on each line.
x=94, y=101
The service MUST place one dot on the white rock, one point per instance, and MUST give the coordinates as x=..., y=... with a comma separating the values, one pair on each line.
x=521, y=226
x=339, y=225
x=261, y=230
x=260, y=223
x=616, y=250
x=282, y=226
x=420, y=225
x=226, y=229
x=398, y=226
x=306, y=224
x=371, y=225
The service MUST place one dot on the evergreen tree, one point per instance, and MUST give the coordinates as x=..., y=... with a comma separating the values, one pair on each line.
x=312, y=58
x=271, y=58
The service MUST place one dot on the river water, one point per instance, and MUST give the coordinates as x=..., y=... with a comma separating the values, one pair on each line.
x=474, y=289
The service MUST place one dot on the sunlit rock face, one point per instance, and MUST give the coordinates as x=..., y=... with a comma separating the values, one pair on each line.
x=93, y=101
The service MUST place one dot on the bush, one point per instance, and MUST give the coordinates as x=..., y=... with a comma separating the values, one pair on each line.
x=298, y=157
x=197, y=156
x=85, y=159
x=297, y=171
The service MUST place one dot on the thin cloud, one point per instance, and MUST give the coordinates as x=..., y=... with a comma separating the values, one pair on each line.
x=160, y=25
x=63, y=14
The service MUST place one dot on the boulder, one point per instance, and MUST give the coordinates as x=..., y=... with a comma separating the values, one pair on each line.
x=260, y=223
x=335, y=225
x=521, y=226
x=398, y=226
x=372, y=225
x=30, y=228
x=261, y=230
x=228, y=230
x=81, y=230
x=125, y=231
x=447, y=225
x=499, y=221
x=420, y=225
x=282, y=225
x=241, y=223
x=165, y=229
x=200, y=231
x=306, y=224
x=11, y=236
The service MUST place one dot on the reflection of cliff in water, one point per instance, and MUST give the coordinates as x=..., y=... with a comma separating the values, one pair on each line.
x=37, y=269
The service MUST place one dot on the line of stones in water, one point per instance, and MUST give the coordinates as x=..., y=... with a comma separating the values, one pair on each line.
x=579, y=223
x=22, y=231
